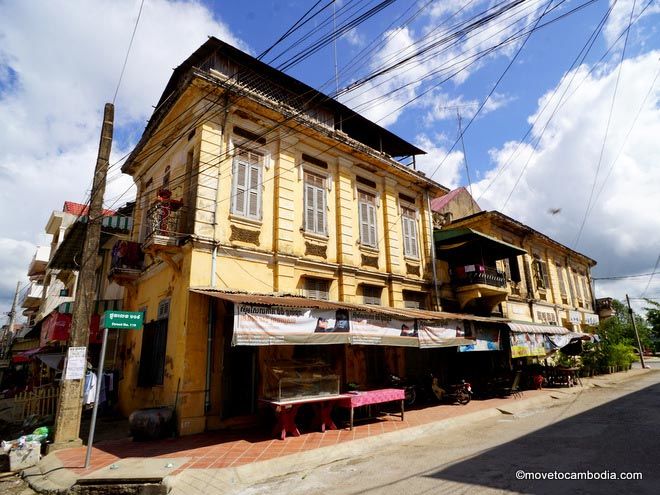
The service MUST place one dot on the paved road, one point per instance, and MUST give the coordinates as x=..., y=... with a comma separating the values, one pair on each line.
x=606, y=430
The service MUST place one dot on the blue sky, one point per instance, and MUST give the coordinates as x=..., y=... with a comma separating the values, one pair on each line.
x=60, y=61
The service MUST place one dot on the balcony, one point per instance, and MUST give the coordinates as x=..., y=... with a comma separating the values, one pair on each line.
x=33, y=296
x=127, y=262
x=479, y=285
x=39, y=262
x=163, y=223
x=478, y=275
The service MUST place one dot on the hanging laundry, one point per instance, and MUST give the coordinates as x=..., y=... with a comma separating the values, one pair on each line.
x=89, y=390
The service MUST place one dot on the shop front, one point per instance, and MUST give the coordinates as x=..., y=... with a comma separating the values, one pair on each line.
x=284, y=348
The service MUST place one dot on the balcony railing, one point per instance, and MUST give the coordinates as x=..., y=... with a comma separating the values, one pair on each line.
x=477, y=274
x=163, y=219
x=127, y=261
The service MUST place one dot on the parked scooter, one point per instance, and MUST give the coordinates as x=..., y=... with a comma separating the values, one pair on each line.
x=410, y=388
x=460, y=392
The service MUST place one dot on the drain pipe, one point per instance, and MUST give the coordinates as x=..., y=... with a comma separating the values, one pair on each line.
x=435, y=274
x=210, y=331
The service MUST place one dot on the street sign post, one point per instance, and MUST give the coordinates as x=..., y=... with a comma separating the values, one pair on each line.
x=119, y=320
x=123, y=320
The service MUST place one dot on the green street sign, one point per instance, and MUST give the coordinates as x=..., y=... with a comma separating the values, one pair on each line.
x=123, y=320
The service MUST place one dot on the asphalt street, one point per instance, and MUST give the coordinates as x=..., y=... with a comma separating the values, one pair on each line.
x=608, y=431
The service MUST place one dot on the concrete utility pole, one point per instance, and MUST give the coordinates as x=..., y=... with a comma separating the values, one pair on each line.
x=69, y=407
x=639, y=342
x=9, y=333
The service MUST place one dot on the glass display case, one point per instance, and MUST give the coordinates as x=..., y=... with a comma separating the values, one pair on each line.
x=299, y=379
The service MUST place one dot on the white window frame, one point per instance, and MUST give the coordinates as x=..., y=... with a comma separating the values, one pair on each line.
x=367, y=219
x=410, y=233
x=315, y=216
x=251, y=186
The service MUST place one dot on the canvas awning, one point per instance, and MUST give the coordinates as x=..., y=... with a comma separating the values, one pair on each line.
x=272, y=319
x=466, y=242
x=67, y=256
x=524, y=327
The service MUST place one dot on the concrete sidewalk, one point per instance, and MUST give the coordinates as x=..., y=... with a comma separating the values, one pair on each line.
x=218, y=461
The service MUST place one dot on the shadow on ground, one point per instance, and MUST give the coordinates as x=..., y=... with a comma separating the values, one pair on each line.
x=619, y=436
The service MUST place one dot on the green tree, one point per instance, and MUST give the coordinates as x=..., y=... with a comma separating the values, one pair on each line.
x=653, y=320
x=618, y=328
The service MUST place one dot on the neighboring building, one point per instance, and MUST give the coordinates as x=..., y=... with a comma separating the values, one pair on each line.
x=65, y=262
x=536, y=279
x=254, y=190
x=37, y=351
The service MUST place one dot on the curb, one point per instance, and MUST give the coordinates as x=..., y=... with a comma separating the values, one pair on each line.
x=51, y=478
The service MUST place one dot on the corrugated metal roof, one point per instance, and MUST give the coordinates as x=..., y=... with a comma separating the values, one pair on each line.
x=526, y=327
x=289, y=300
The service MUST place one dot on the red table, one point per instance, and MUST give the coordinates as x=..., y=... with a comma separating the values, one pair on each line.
x=358, y=399
x=286, y=410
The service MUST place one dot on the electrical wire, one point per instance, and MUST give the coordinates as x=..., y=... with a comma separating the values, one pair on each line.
x=607, y=127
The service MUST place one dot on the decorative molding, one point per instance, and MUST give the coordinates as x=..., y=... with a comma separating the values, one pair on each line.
x=370, y=261
x=412, y=269
x=244, y=235
x=316, y=249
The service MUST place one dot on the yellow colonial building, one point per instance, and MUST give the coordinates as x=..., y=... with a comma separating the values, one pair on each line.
x=539, y=280
x=255, y=189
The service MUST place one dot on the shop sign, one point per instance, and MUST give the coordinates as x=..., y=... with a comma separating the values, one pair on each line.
x=275, y=325
x=527, y=344
x=574, y=317
x=486, y=339
x=123, y=320
x=591, y=319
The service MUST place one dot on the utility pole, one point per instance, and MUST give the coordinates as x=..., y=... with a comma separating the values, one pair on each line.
x=69, y=407
x=639, y=342
x=9, y=333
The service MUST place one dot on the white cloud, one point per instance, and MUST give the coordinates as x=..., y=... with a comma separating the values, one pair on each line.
x=444, y=57
x=623, y=230
x=59, y=64
x=442, y=106
x=620, y=16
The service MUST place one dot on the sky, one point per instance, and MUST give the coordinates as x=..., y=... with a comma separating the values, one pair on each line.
x=558, y=103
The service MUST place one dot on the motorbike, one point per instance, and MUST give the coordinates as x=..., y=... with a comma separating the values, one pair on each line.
x=460, y=392
x=410, y=388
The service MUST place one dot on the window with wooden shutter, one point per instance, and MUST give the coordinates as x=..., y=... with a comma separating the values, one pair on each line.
x=560, y=278
x=541, y=273
x=317, y=288
x=246, y=190
x=371, y=294
x=409, y=224
x=367, y=213
x=315, y=204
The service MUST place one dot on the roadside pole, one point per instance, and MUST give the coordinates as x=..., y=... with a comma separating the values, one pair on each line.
x=69, y=407
x=118, y=320
x=99, y=377
x=9, y=333
x=639, y=342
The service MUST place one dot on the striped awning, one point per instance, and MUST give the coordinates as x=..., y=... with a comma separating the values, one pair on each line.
x=68, y=254
x=524, y=327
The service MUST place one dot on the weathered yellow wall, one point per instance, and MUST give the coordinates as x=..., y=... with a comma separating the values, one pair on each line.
x=272, y=254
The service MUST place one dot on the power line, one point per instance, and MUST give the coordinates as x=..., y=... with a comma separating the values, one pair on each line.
x=607, y=127
x=130, y=44
x=563, y=100
x=655, y=268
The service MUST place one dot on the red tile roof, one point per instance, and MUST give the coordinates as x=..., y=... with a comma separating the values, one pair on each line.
x=81, y=210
